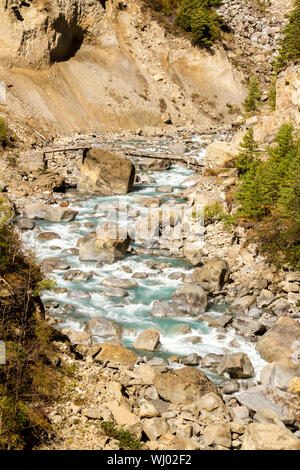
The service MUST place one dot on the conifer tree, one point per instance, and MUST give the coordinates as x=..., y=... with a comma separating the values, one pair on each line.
x=290, y=43
x=248, y=152
x=252, y=102
x=250, y=192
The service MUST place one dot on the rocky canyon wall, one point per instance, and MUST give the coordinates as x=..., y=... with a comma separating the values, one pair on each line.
x=88, y=66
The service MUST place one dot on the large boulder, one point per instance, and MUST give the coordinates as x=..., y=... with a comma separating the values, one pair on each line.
x=35, y=210
x=117, y=355
x=105, y=245
x=281, y=344
x=190, y=299
x=183, y=386
x=213, y=275
x=41, y=211
x=237, y=365
x=60, y=214
x=276, y=375
x=106, y=173
x=220, y=155
x=217, y=434
x=102, y=329
x=147, y=340
x=260, y=396
x=260, y=436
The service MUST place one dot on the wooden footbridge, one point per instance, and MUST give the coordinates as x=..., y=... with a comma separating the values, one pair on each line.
x=189, y=161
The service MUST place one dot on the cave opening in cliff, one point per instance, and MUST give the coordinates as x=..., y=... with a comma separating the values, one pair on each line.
x=103, y=3
x=68, y=39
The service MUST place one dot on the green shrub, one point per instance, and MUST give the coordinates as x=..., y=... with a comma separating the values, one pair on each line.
x=290, y=42
x=198, y=17
x=216, y=213
x=127, y=440
x=3, y=132
x=272, y=91
x=252, y=103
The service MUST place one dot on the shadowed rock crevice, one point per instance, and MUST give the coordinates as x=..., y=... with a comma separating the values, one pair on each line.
x=68, y=38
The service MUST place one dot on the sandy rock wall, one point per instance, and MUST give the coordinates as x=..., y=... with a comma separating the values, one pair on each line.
x=76, y=66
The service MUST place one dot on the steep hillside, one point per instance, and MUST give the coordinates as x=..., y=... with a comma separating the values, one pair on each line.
x=77, y=66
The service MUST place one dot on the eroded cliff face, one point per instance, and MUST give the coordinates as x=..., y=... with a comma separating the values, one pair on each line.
x=89, y=65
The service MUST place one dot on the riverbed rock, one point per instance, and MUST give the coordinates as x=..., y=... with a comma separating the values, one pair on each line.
x=260, y=436
x=155, y=427
x=247, y=326
x=60, y=214
x=276, y=375
x=162, y=309
x=47, y=236
x=102, y=329
x=148, y=410
x=115, y=292
x=148, y=340
x=155, y=164
x=26, y=224
x=213, y=275
x=184, y=385
x=217, y=433
x=105, y=245
x=261, y=396
x=192, y=359
x=220, y=155
x=237, y=365
x=146, y=373
x=164, y=189
x=190, y=299
x=77, y=337
x=211, y=361
x=50, y=264
x=75, y=275
x=116, y=354
x=118, y=282
x=35, y=210
x=281, y=343
x=79, y=294
x=106, y=173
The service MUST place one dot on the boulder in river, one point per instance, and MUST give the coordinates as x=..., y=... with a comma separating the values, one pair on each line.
x=46, y=236
x=148, y=340
x=102, y=329
x=183, y=386
x=190, y=299
x=26, y=224
x=119, y=282
x=75, y=275
x=50, y=264
x=237, y=365
x=213, y=275
x=60, y=214
x=281, y=344
x=104, y=245
x=106, y=173
x=162, y=309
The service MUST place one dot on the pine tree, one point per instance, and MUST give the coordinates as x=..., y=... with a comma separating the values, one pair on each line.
x=288, y=205
x=198, y=17
x=252, y=102
x=248, y=152
x=250, y=192
x=290, y=43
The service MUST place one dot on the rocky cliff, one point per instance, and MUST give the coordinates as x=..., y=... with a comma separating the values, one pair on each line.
x=87, y=66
